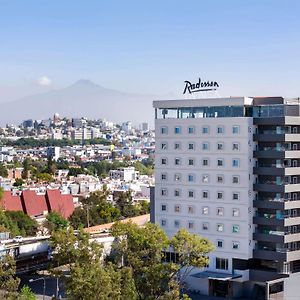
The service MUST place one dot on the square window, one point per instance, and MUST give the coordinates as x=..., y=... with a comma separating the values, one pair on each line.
x=205, y=210
x=220, y=162
x=235, y=146
x=220, y=178
x=235, y=129
x=205, y=226
x=191, y=129
x=205, y=194
x=220, y=227
x=191, y=209
x=219, y=243
x=191, y=162
x=163, y=207
x=177, y=146
x=163, y=130
x=205, y=178
x=177, y=161
x=235, y=245
x=235, y=196
x=235, y=228
x=176, y=223
x=191, y=194
x=163, y=176
x=177, y=130
x=177, y=208
x=163, y=161
x=163, y=223
x=220, y=146
x=177, y=177
x=235, y=212
x=220, y=211
x=191, y=178
x=163, y=192
x=191, y=225
x=205, y=162
x=205, y=146
x=235, y=162
x=205, y=129
x=191, y=146
x=235, y=179
x=164, y=146
x=221, y=263
x=176, y=193
x=220, y=129
x=220, y=195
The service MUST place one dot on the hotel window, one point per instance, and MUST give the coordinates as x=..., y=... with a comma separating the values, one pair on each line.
x=219, y=195
x=219, y=243
x=191, y=178
x=191, y=194
x=220, y=129
x=220, y=178
x=235, y=129
x=235, y=196
x=177, y=208
x=205, y=129
x=164, y=146
x=235, y=228
x=163, y=161
x=176, y=223
x=220, y=227
x=163, y=176
x=163, y=223
x=177, y=193
x=205, y=162
x=235, y=212
x=191, y=225
x=163, y=130
x=220, y=146
x=235, y=162
x=220, y=211
x=235, y=179
x=205, y=146
x=220, y=162
x=163, y=192
x=235, y=146
x=205, y=194
x=191, y=129
x=191, y=162
x=205, y=226
x=177, y=130
x=177, y=161
x=205, y=210
x=177, y=146
x=235, y=245
x=191, y=209
x=221, y=263
x=163, y=207
x=205, y=178
x=191, y=146
x=177, y=177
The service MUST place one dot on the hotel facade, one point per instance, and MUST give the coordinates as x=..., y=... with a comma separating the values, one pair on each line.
x=228, y=169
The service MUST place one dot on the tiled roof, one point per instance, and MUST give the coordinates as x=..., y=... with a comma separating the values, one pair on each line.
x=34, y=204
x=62, y=204
x=11, y=202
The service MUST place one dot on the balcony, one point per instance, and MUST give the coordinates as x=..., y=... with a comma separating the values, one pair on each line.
x=276, y=220
x=276, y=187
x=272, y=136
x=270, y=152
x=277, y=203
x=280, y=254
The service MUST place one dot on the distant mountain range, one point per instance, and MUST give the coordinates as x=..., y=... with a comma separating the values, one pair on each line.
x=82, y=99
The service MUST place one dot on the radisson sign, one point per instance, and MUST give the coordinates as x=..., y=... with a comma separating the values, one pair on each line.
x=200, y=86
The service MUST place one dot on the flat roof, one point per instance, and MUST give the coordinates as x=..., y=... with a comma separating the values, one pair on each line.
x=215, y=275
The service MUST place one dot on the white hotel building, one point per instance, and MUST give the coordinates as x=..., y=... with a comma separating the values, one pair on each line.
x=214, y=177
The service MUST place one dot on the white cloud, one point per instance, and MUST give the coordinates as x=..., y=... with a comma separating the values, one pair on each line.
x=44, y=81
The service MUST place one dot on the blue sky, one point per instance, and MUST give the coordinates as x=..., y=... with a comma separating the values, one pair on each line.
x=249, y=47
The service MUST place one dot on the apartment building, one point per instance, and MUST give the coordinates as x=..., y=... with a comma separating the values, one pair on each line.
x=227, y=169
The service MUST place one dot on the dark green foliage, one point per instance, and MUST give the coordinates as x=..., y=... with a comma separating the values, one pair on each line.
x=54, y=221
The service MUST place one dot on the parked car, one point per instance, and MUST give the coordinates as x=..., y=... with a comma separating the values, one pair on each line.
x=18, y=239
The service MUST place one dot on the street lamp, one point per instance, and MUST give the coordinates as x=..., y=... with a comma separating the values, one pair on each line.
x=44, y=287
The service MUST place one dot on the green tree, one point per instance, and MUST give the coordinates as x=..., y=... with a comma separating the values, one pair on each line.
x=26, y=294
x=26, y=226
x=3, y=170
x=45, y=177
x=55, y=221
x=18, y=182
x=8, y=281
x=1, y=193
